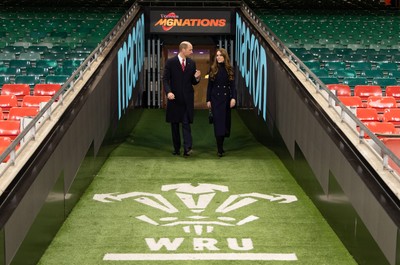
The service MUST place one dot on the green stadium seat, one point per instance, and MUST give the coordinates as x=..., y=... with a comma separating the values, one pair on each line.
x=333, y=66
x=351, y=58
x=329, y=57
x=4, y=79
x=37, y=71
x=387, y=66
x=56, y=79
x=54, y=56
x=321, y=72
x=31, y=56
x=394, y=74
x=360, y=66
x=31, y=80
x=353, y=81
x=60, y=49
x=315, y=65
x=342, y=51
x=384, y=82
x=64, y=71
x=372, y=73
x=344, y=73
x=13, y=49
x=377, y=58
x=82, y=56
x=22, y=64
x=7, y=56
x=37, y=49
x=47, y=63
x=72, y=63
x=329, y=80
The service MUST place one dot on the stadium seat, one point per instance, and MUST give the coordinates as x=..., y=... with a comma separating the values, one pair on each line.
x=16, y=113
x=7, y=102
x=46, y=89
x=345, y=73
x=22, y=64
x=31, y=80
x=47, y=63
x=340, y=89
x=387, y=66
x=367, y=114
x=31, y=56
x=4, y=79
x=9, y=128
x=329, y=80
x=34, y=101
x=365, y=91
x=393, y=91
x=370, y=74
x=384, y=82
x=394, y=145
x=360, y=66
x=332, y=66
x=351, y=101
x=380, y=103
x=56, y=79
x=5, y=142
x=392, y=115
x=381, y=128
x=355, y=81
x=19, y=90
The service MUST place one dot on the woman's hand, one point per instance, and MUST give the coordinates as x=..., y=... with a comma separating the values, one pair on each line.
x=209, y=104
x=233, y=102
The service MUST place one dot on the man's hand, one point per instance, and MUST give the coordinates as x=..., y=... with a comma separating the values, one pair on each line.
x=170, y=96
x=197, y=74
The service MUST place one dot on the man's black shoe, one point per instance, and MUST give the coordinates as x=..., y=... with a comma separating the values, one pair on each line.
x=176, y=153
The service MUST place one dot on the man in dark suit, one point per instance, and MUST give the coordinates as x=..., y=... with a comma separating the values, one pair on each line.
x=180, y=74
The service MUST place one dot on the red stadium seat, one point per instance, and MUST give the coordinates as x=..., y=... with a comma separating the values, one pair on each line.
x=365, y=91
x=351, y=101
x=20, y=112
x=9, y=128
x=7, y=102
x=46, y=89
x=381, y=103
x=394, y=145
x=4, y=143
x=340, y=89
x=393, y=91
x=367, y=114
x=19, y=90
x=392, y=115
x=381, y=128
x=34, y=101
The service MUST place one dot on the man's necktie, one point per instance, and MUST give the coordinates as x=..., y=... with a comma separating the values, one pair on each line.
x=183, y=64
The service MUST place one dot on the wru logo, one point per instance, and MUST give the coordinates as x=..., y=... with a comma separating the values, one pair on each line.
x=196, y=199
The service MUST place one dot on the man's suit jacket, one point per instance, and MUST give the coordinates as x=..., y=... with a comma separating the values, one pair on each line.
x=181, y=84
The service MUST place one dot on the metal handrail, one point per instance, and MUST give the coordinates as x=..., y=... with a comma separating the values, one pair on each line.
x=321, y=87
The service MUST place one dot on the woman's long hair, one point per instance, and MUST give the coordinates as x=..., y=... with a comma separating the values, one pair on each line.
x=227, y=63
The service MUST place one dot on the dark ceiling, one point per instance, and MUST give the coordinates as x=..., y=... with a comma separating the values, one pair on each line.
x=254, y=4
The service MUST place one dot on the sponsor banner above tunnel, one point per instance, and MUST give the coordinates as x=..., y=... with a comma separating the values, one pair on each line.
x=194, y=21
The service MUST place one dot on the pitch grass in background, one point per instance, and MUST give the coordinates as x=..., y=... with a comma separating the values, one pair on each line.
x=144, y=163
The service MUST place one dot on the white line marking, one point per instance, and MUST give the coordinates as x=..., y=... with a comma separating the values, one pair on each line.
x=197, y=256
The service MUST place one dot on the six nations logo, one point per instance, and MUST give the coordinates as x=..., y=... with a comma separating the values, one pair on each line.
x=196, y=199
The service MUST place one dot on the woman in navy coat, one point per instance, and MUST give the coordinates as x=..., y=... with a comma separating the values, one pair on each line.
x=178, y=83
x=221, y=97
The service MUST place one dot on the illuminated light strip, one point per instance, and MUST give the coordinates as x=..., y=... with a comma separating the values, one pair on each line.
x=197, y=256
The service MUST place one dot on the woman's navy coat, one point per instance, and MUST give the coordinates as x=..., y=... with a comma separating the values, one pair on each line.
x=220, y=91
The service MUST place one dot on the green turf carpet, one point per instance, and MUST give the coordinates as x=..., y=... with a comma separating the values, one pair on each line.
x=147, y=206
